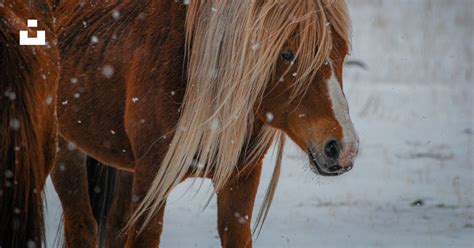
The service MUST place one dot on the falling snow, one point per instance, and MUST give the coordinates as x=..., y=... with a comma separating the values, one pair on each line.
x=8, y=174
x=10, y=94
x=94, y=39
x=108, y=71
x=255, y=46
x=269, y=116
x=49, y=100
x=71, y=146
x=116, y=14
x=14, y=124
x=214, y=125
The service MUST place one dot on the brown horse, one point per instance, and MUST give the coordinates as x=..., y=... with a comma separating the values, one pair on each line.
x=164, y=91
x=28, y=127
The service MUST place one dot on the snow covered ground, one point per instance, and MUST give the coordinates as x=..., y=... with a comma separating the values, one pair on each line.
x=413, y=183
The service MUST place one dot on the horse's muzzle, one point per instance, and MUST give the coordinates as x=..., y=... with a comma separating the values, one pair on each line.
x=330, y=160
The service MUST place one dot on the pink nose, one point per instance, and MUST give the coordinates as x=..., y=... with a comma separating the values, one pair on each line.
x=348, y=155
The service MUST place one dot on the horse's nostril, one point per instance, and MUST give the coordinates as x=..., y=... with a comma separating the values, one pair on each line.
x=335, y=168
x=332, y=149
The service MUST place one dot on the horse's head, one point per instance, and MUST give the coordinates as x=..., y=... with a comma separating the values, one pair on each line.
x=316, y=117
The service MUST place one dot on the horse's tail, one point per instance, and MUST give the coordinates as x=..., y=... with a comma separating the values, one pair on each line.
x=101, y=180
x=26, y=136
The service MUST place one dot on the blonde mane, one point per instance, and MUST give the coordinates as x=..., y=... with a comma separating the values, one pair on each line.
x=233, y=47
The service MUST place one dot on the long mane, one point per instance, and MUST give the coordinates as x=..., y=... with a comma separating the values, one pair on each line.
x=232, y=50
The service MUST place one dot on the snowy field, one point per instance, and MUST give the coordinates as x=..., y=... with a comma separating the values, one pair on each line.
x=413, y=183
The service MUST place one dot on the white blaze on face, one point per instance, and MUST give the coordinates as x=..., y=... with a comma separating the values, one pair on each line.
x=350, y=141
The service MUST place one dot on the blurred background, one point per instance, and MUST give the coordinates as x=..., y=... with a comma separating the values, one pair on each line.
x=414, y=42
x=413, y=184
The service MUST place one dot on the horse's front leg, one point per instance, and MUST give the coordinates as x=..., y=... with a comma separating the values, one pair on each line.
x=149, y=123
x=235, y=204
x=69, y=177
x=139, y=234
x=120, y=213
x=146, y=168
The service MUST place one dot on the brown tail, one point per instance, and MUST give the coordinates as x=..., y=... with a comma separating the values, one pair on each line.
x=27, y=131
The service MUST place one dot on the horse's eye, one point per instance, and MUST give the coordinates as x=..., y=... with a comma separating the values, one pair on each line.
x=288, y=55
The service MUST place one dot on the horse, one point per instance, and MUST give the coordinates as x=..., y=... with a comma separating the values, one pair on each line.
x=28, y=82
x=163, y=91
